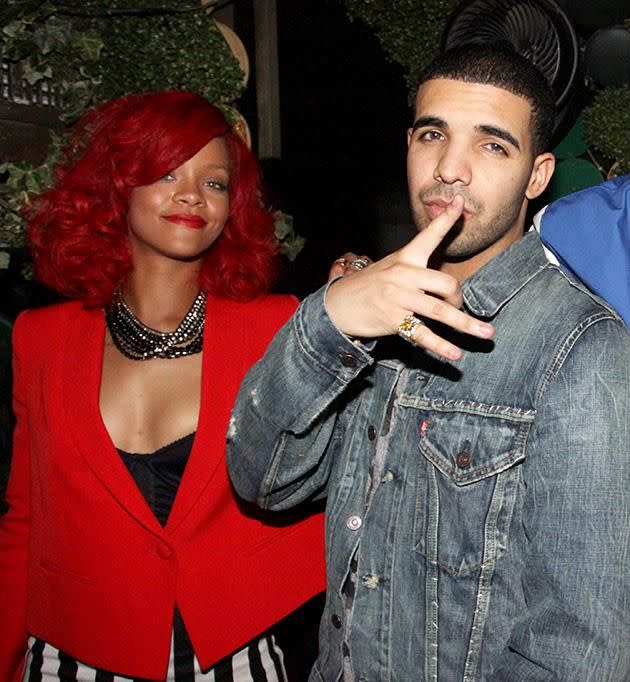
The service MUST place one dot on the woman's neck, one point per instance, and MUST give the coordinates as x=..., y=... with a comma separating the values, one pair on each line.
x=160, y=298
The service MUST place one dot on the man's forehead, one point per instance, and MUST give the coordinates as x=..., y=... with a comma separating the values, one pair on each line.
x=445, y=97
x=446, y=86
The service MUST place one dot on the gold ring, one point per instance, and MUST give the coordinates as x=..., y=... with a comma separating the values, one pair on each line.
x=407, y=328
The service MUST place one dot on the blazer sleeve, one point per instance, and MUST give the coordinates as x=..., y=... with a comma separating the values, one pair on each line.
x=14, y=527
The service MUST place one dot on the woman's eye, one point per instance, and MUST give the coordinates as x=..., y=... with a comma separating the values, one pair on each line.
x=215, y=184
x=168, y=176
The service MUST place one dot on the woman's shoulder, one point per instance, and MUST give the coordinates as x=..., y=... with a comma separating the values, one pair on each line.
x=275, y=304
x=248, y=327
x=264, y=309
x=40, y=323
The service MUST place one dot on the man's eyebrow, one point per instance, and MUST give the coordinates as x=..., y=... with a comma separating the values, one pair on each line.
x=432, y=121
x=500, y=133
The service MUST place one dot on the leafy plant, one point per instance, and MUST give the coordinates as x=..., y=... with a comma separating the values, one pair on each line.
x=289, y=242
x=607, y=127
x=168, y=52
x=409, y=31
x=48, y=47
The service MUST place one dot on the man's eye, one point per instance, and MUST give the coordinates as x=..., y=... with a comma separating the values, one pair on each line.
x=496, y=148
x=431, y=135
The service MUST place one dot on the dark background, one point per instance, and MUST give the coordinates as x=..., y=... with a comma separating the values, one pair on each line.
x=344, y=114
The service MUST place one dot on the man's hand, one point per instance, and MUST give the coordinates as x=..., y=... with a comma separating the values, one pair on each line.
x=374, y=301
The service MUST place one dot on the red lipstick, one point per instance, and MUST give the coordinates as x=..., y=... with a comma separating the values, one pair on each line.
x=187, y=219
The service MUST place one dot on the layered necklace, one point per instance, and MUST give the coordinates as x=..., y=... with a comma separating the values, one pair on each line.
x=139, y=342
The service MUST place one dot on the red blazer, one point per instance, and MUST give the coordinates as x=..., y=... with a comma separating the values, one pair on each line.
x=84, y=564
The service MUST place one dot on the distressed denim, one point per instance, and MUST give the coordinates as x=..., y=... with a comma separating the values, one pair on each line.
x=486, y=503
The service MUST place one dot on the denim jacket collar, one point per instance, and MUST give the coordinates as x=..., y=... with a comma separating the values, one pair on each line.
x=491, y=287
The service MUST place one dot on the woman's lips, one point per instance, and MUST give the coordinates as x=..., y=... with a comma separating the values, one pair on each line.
x=193, y=221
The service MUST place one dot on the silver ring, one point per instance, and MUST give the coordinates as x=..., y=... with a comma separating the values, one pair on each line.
x=407, y=328
x=359, y=263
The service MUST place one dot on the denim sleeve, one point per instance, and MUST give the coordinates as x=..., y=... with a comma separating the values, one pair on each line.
x=281, y=439
x=576, y=520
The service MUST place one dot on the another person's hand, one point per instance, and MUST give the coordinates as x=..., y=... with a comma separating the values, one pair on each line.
x=391, y=295
x=347, y=264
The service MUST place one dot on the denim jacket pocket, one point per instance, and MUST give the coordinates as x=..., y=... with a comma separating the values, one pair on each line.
x=467, y=482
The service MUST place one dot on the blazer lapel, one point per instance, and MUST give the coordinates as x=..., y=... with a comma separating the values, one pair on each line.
x=220, y=379
x=83, y=359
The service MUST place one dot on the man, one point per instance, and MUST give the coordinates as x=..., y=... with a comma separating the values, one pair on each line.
x=477, y=502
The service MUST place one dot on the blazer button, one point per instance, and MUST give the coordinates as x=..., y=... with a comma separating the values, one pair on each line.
x=164, y=551
x=371, y=431
x=336, y=621
x=348, y=360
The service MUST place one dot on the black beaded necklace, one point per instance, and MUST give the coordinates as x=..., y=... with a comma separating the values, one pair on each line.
x=139, y=342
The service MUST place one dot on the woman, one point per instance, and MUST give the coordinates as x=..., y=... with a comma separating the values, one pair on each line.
x=124, y=552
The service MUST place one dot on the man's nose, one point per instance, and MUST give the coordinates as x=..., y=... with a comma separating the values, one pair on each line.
x=453, y=166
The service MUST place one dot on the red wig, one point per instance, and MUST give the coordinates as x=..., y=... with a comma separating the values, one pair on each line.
x=78, y=229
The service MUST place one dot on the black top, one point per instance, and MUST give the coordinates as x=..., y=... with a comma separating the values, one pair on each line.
x=159, y=474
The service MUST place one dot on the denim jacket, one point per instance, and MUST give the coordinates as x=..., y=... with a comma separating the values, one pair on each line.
x=481, y=508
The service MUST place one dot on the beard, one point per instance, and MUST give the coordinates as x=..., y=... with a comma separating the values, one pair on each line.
x=473, y=233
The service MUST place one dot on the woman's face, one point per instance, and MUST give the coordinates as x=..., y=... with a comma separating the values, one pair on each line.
x=181, y=215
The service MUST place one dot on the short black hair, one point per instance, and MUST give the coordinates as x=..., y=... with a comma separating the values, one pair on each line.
x=504, y=68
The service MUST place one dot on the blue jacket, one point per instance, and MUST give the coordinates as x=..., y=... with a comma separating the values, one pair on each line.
x=589, y=234
x=478, y=514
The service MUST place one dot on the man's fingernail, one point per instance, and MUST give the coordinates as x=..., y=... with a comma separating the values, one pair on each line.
x=483, y=329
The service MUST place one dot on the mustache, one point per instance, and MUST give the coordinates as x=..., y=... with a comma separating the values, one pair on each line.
x=447, y=192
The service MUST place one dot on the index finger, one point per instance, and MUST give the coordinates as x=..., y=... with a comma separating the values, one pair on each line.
x=420, y=248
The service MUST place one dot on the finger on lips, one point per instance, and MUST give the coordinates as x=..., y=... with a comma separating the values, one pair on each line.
x=424, y=244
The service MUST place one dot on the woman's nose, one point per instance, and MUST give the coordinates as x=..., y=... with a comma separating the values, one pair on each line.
x=188, y=194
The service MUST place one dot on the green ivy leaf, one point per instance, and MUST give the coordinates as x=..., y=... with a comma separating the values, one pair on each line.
x=32, y=75
x=13, y=29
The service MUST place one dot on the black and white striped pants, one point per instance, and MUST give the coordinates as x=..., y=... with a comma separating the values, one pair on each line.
x=259, y=661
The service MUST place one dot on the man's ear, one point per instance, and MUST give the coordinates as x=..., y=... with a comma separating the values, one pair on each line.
x=544, y=165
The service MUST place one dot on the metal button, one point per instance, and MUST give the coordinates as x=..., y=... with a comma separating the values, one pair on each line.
x=348, y=360
x=164, y=551
x=354, y=522
x=371, y=432
x=464, y=459
x=336, y=621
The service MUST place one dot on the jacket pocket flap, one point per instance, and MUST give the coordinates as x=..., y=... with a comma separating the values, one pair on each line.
x=469, y=441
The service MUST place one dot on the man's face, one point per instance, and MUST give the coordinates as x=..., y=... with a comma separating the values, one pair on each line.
x=474, y=140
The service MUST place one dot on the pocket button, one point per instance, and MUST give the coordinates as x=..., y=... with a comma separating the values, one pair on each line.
x=463, y=459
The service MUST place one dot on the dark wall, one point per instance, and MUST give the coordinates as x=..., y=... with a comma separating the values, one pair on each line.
x=344, y=114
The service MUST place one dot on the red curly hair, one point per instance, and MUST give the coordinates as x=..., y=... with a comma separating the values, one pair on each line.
x=78, y=229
